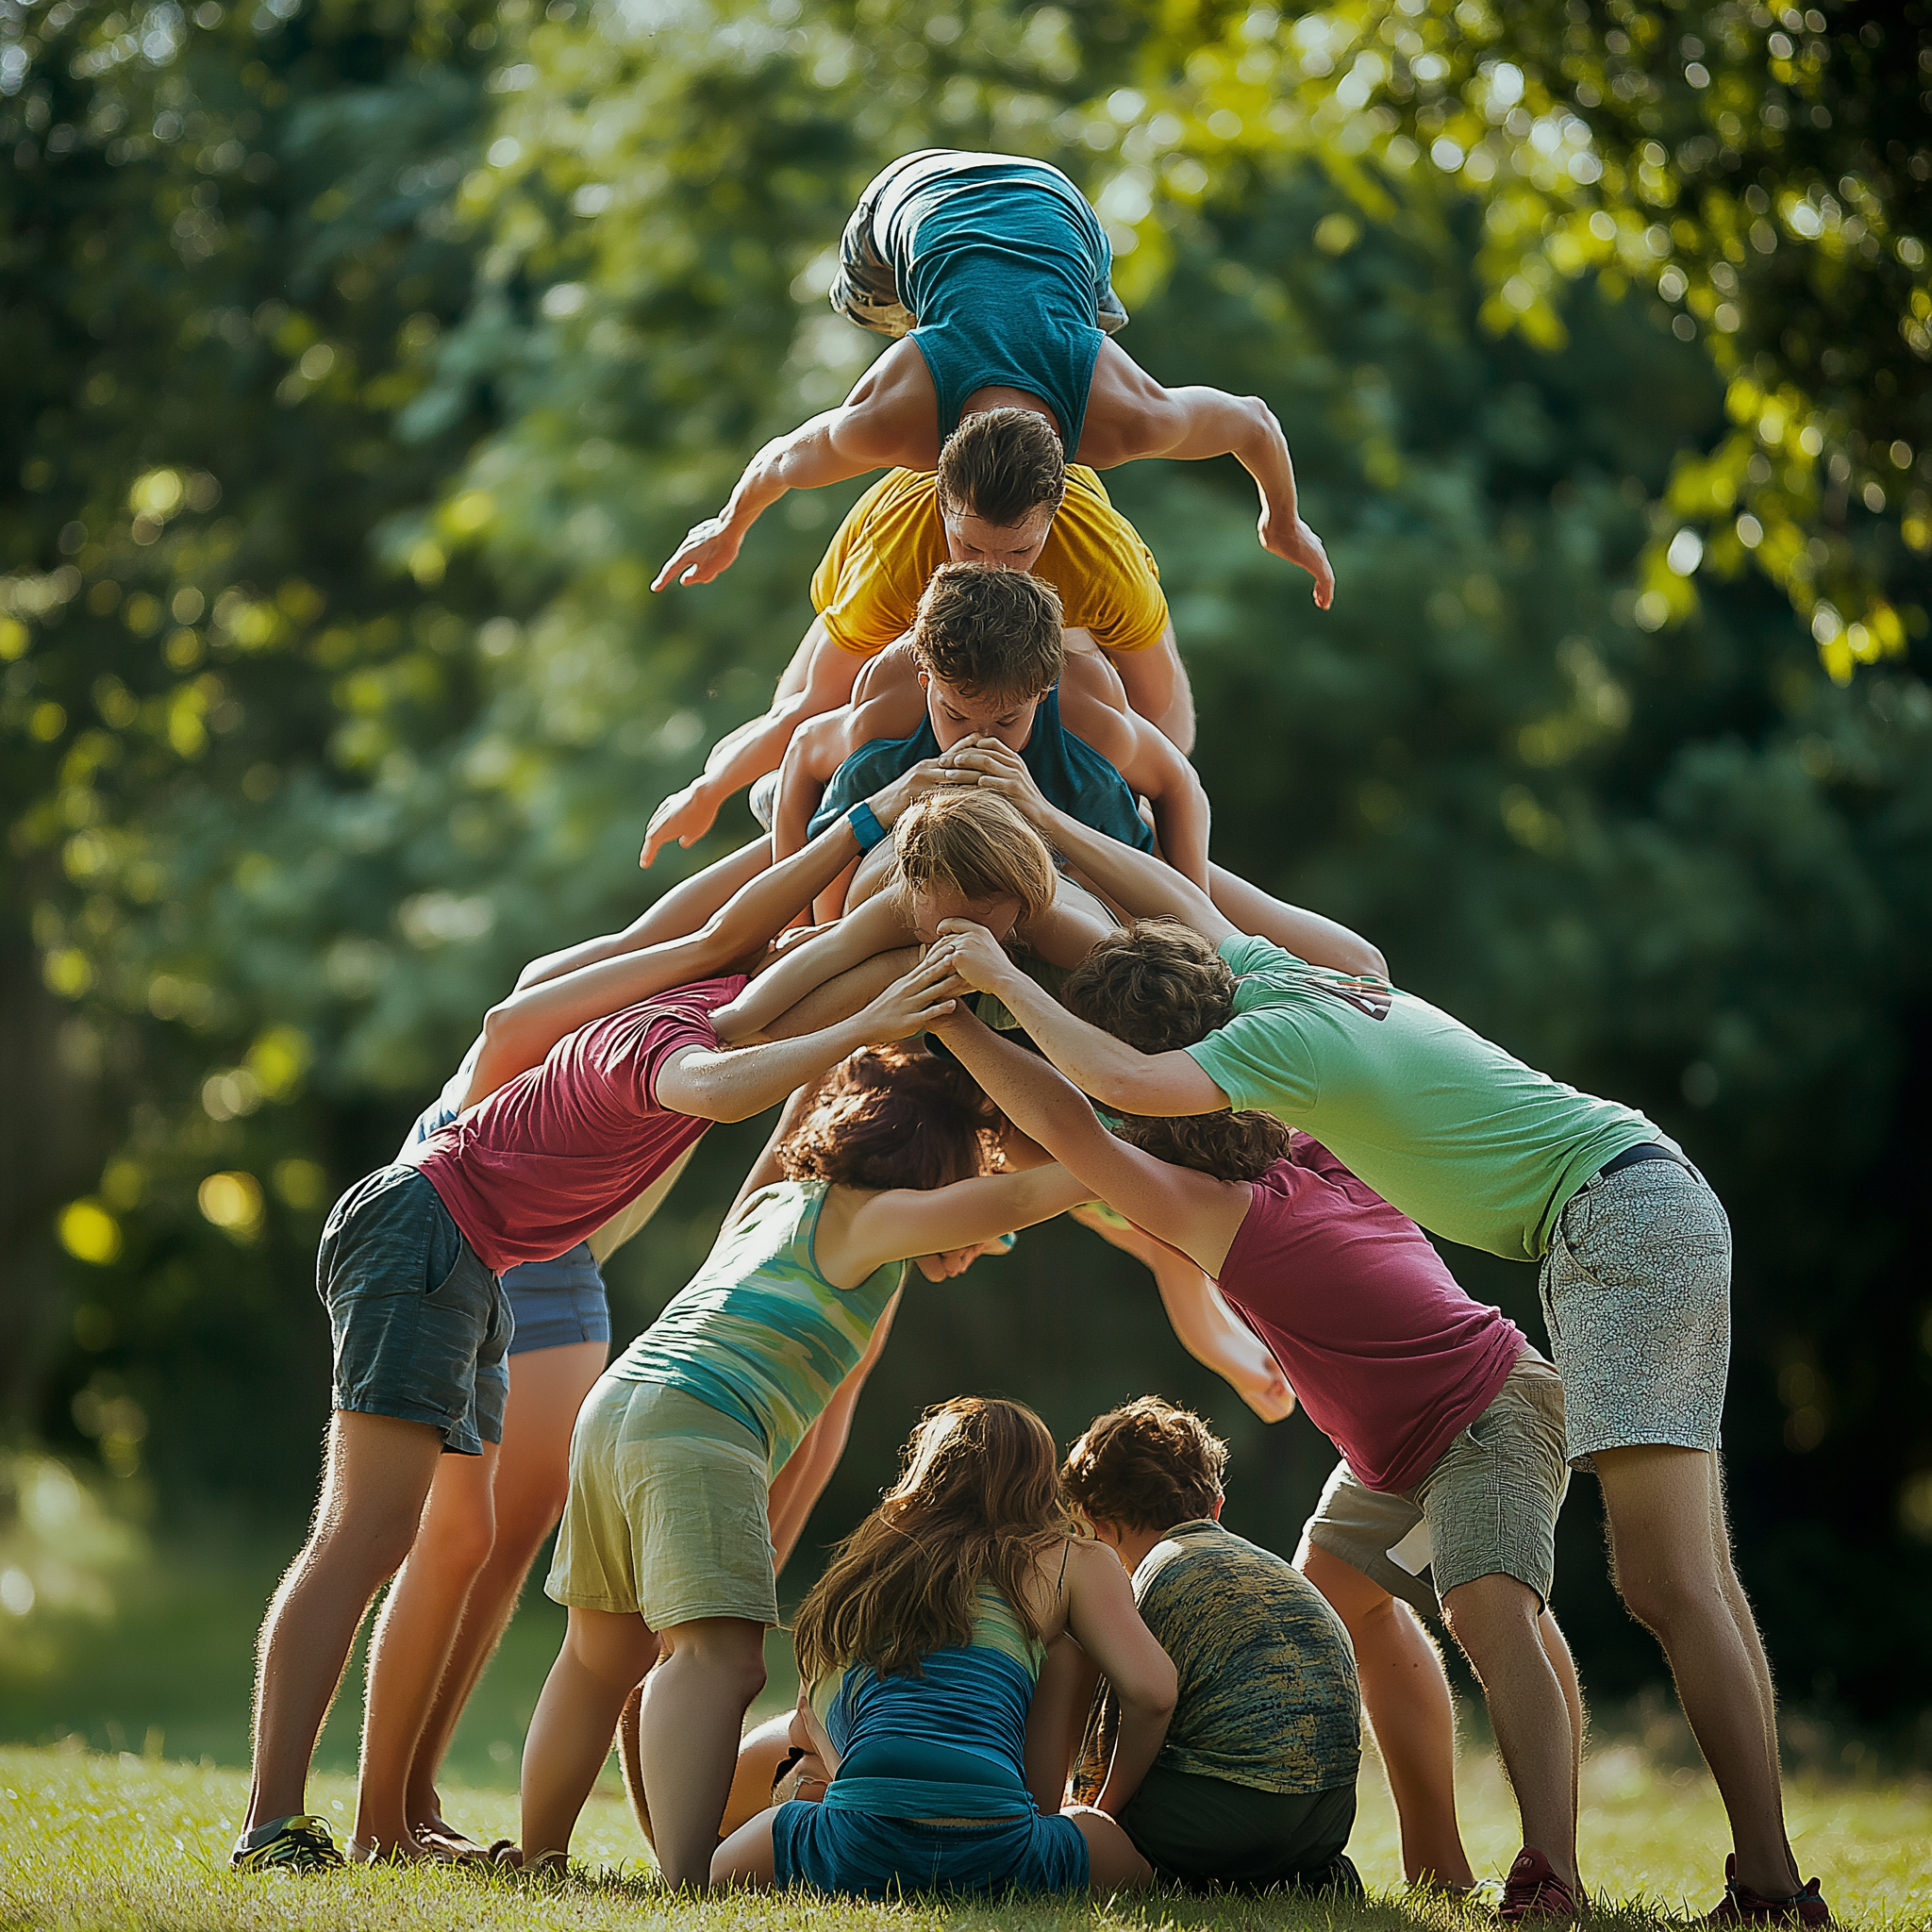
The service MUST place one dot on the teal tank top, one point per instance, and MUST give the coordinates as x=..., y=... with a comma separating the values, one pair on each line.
x=760, y=1333
x=1069, y=772
x=947, y=1741
x=1001, y=259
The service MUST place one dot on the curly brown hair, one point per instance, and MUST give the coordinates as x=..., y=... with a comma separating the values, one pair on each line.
x=1147, y=1465
x=1230, y=1146
x=1159, y=985
x=990, y=632
x=894, y=1117
x=1004, y=466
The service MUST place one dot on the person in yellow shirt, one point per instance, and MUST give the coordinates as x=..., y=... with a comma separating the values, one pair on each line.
x=1002, y=494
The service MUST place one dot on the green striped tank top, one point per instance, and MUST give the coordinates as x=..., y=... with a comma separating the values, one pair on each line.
x=760, y=1333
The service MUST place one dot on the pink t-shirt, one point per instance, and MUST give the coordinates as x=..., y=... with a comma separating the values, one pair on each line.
x=1389, y=1356
x=551, y=1155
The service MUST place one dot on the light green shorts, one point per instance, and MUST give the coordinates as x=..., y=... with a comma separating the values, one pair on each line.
x=1489, y=1506
x=668, y=1515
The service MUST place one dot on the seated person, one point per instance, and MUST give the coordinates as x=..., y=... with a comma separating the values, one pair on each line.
x=994, y=273
x=1002, y=494
x=1447, y=1418
x=1255, y=1784
x=918, y=1651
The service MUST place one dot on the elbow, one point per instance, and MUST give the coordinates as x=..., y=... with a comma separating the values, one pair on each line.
x=1155, y=1697
x=1368, y=960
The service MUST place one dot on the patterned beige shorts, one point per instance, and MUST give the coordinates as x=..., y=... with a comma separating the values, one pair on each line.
x=1488, y=1509
x=1637, y=1296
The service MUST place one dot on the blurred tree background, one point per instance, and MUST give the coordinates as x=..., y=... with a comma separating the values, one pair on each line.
x=365, y=357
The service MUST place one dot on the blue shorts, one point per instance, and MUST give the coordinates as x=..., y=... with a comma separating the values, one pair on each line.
x=864, y=1854
x=420, y=1326
x=558, y=1303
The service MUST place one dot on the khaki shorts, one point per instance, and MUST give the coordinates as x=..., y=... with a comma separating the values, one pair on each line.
x=668, y=1515
x=1488, y=1507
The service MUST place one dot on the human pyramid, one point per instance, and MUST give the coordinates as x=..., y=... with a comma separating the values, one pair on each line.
x=1020, y=1673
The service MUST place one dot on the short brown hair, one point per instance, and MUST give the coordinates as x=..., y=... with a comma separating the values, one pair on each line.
x=975, y=845
x=1159, y=985
x=1147, y=1465
x=892, y=1117
x=990, y=632
x=1004, y=466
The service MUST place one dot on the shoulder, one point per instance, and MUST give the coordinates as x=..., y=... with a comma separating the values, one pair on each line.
x=891, y=415
x=1128, y=413
x=1105, y=727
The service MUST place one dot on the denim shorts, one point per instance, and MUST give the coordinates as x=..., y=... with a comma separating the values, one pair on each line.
x=558, y=1303
x=1490, y=1503
x=421, y=1326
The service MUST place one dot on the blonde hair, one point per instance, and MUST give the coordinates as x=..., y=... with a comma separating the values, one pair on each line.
x=978, y=1502
x=975, y=845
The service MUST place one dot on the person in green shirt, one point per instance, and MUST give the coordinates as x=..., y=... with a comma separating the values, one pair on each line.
x=1174, y=1018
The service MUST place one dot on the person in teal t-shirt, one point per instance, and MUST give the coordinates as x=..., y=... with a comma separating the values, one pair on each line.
x=1177, y=1019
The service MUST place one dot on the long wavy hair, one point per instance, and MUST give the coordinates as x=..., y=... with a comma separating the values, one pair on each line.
x=979, y=1501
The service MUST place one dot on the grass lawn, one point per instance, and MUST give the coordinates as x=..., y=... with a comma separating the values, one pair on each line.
x=97, y=1842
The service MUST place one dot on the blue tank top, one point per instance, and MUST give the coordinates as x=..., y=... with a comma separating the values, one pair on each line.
x=1069, y=772
x=999, y=258
x=947, y=1741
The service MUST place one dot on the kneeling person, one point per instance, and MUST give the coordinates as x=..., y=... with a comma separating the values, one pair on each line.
x=1256, y=1782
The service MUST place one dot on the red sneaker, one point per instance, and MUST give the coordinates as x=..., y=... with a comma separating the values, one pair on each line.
x=1533, y=1890
x=1740, y=1905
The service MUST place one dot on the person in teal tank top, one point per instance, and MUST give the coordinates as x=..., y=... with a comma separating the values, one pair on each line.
x=665, y=1545
x=918, y=1650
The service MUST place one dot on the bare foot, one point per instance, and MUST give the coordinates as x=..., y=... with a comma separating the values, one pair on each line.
x=443, y=1839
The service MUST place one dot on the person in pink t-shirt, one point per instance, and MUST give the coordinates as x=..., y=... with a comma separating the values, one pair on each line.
x=1450, y=1425
x=590, y=1081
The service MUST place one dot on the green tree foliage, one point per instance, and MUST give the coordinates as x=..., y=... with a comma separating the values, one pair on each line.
x=1762, y=168
x=372, y=356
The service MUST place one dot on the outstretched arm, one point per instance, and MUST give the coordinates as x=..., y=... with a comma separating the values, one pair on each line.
x=1205, y=1326
x=1193, y=1212
x=818, y=679
x=734, y=1083
x=904, y=1221
x=1129, y=415
x=519, y=1031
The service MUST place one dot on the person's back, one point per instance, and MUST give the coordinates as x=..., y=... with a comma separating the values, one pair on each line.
x=1267, y=1693
x=1255, y=1784
x=758, y=1334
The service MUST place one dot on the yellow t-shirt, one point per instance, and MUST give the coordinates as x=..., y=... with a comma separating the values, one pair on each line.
x=869, y=582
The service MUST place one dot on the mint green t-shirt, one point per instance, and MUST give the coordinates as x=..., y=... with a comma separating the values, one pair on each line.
x=1445, y=1125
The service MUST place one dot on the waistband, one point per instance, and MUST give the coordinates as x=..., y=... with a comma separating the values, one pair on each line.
x=918, y=1797
x=1644, y=1150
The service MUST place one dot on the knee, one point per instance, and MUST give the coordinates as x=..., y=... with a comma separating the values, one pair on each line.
x=463, y=1545
x=1663, y=1598
x=1490, y=1610
x=524, y=1519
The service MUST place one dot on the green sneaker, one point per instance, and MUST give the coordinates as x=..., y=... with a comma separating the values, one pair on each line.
x=287, y=1844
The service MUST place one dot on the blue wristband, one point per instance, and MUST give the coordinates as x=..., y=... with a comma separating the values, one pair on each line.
x=865, y=826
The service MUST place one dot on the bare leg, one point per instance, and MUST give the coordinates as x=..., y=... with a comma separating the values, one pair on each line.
x=410, y=1648
x=378, y=1473
x=1495, y=1620
x=603, y=1657
x=1556, y=1648
x=1114, y=1865
x=547, y=1387
x=745, y=1857
x=1674, y=1573
x=760, y=1752
x=695, y=1702
x=1407, y=1698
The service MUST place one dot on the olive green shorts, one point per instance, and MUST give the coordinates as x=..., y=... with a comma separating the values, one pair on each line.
x=668, y=1514
x=1489, y=1506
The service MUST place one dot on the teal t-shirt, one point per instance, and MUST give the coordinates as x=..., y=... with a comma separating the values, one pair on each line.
x=1445, y=1125
x=760, y=1333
